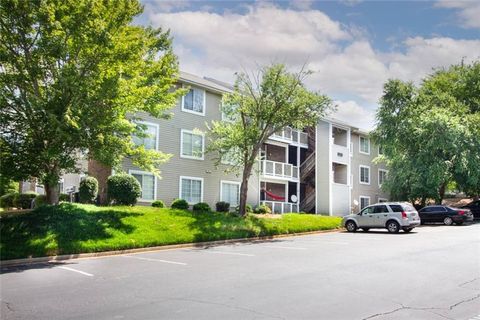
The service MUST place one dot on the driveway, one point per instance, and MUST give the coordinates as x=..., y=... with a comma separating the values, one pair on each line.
x=431, y=273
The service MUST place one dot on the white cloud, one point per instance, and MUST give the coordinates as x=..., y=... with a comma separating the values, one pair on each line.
x=345, y=64
x=351, y=112
x=468, y=11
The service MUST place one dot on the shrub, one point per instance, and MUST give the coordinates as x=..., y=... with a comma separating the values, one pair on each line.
x=201, y=207
x=7, y=186
x=40, y=200
x=24, y=200
x=7, y=200
x=248, y=208
x=222, y=206
x=64, y=197
x=88, y=190
x=179, y=204
x=262, y=209
x=123, y=189
x=158, y=204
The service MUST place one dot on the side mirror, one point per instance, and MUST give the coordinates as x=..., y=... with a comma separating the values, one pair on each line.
x=359, y=214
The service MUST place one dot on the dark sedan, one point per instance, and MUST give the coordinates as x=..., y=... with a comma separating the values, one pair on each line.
x=474, y=207
x=447, y=215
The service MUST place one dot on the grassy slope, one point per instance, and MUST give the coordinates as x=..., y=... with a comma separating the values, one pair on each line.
x=70, y=228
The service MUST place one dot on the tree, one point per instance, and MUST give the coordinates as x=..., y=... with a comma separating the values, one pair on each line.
x=73, y=75
x=429, y=134
x=259, y=106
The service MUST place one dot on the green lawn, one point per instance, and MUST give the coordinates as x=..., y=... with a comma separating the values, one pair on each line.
x=73, y=228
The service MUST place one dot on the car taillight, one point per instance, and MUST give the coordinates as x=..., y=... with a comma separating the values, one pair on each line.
x=404, y=215
x=461, y=212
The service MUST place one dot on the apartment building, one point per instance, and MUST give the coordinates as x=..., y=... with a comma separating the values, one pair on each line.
x=327, y=169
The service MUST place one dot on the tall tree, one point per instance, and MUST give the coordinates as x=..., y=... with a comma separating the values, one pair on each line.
x=73, y=75
x=259, y=106
x=429, y=134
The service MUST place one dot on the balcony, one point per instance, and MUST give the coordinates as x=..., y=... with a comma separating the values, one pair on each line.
x=340, y=154
x=280, y=170
x=281, y=207
x=289, y=135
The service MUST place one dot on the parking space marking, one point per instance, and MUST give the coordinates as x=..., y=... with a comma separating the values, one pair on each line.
x=282, y=247
x=156, y=260
x=231, y=253
x=75, y=270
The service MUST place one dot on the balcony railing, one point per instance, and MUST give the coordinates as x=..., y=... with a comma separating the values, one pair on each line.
x=291, y=136
x=279, y=170
x=281, y=207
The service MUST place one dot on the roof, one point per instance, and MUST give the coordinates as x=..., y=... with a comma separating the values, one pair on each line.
x=207, y=83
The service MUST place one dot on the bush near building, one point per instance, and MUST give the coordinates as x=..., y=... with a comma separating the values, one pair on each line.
x=88, y=190
x=24, y=200
x=179, y=204
x=158, y=204
x=123, y=189
x=201, y=207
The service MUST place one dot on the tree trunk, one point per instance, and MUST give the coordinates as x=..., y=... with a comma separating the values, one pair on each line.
x=247, y=170
x=441, y=193
x=20, y=187
x=52, y=191
x=101, y=172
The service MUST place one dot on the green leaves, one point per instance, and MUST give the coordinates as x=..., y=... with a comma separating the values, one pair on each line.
x=430, y=134
x=73, y=74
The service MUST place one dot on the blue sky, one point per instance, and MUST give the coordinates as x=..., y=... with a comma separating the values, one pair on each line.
x=352, y=46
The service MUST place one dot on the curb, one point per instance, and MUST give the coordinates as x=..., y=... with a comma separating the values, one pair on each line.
x=28, y=261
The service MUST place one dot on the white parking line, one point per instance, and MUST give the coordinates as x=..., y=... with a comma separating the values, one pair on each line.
x=78, y=271
x=156, y=260
x=282, y=247
x=232, y=253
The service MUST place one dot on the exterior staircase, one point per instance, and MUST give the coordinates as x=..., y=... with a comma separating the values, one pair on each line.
x=308, y=204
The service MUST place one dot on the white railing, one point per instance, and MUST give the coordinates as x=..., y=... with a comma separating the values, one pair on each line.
x=281, y=207
x=340, y=154
x=291, y=135
x=279, y=170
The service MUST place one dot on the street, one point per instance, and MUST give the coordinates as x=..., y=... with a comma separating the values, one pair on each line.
x=431, y=273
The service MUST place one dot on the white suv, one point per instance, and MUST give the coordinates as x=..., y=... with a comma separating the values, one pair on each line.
x=390, y=215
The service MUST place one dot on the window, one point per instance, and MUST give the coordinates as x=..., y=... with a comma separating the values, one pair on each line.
x=192, y=145
x=382, y=176
x=149, y=141
x=364, y=202
x=230, y=192
x=194, y=101
x=229, y=157
x=380, y=150
x=191, y=189
x=364, y=175
x=147, y=182
x=364, y=145
x=380, y=200
x=396, y=208
x=380, y=209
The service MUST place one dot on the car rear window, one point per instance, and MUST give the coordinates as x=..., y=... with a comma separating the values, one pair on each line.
x=396, y=208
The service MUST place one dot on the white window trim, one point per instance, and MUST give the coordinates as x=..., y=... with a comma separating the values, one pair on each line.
x=204, y=103
x=157, y=127
x=190, y=178
x=386, y=173
x=360, y=145
x=382, y=199
x=154, y=184
x=229, y=182
x=181, y=145
x=360, y=202
x=360, y=175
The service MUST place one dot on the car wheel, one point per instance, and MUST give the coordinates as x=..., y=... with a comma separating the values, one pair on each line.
x=407, y=230
x=351, y=226
x=365, y=229
x=393, y=226
x=447, y=221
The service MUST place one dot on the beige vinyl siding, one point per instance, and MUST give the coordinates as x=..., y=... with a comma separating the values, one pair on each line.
x=371, y=190
x=169, y=142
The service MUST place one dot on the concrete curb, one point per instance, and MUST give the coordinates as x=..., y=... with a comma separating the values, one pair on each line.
x=27, y=261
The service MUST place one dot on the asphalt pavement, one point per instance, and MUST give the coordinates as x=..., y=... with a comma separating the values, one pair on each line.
x=431, y=273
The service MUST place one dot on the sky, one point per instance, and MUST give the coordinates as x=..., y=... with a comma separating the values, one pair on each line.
x=352, y=46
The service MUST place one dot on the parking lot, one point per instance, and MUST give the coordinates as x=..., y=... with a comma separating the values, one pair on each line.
x=431, y=273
